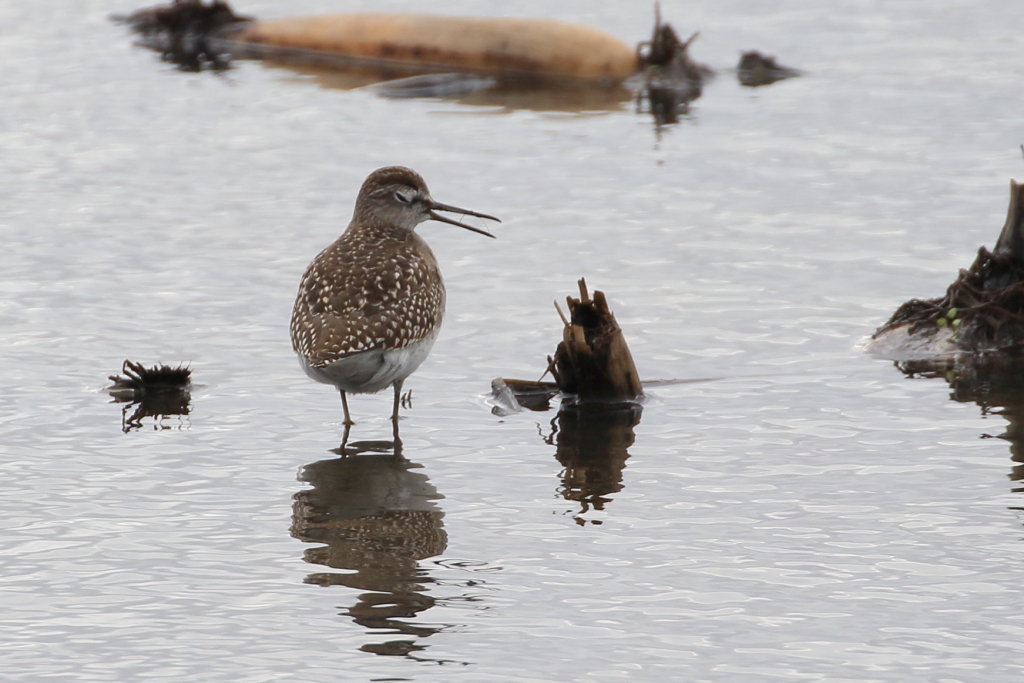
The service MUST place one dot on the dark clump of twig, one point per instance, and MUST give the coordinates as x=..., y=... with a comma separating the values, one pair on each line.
x=153, y=392
x=670, y=79
x=985, y=305
x=185, y=32
x=139, y=381
x=756, y=69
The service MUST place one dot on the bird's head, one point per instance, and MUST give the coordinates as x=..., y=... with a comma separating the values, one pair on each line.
x=396, y=195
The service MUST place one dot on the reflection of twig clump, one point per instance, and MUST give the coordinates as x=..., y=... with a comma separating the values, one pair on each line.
x=155, y=392
x=985, y=305
x=756, y=69
x=184, y=32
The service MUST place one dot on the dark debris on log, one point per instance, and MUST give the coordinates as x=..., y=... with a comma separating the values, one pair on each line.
x=140, y=382
x=186, y=32
x=670, y=78
x=985, y=305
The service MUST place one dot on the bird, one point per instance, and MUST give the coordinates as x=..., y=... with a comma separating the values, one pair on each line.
x=370, y=305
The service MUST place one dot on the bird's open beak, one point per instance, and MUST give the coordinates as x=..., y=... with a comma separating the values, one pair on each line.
x=435, y=206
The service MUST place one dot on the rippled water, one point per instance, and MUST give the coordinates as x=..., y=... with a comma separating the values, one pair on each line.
x=807, y=514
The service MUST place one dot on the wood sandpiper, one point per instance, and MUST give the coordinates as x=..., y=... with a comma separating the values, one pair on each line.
x=370, y=305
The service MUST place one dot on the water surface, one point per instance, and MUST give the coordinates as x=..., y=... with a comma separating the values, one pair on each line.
x=809, y=515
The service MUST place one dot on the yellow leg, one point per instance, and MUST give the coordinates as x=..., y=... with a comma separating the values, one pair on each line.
x=398, y=398
x=344, y=404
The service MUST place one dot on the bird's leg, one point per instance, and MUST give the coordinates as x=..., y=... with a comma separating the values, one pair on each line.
x=397, y=443
x=344, y=440
x=397, y=398
x=344, y=404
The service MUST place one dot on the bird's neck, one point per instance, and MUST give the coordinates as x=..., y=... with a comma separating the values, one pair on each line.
x=379, y=231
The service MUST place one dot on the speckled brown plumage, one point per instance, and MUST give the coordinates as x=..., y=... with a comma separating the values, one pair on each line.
x=375, y=287
x=370, y=305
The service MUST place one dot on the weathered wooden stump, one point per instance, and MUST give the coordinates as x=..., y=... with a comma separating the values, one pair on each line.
x=593, y=362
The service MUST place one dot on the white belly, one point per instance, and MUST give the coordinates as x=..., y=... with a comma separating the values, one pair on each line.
x=371, y=371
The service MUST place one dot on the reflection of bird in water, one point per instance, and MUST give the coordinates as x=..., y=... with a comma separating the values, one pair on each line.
x=370, y=305
x=592, y=442
x=377, y=518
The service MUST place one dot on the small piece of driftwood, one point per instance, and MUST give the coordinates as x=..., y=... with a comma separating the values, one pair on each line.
x=756, y=69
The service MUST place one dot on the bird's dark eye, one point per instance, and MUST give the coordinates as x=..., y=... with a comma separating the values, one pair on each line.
x=405, y=196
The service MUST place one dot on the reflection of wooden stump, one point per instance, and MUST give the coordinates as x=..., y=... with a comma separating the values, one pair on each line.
x=593, y=360
x=995, y=383
x=592, y=443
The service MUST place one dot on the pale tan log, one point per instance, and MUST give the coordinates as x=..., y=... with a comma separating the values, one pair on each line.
x=499, y=46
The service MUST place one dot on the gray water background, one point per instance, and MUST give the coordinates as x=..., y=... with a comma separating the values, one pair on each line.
x=810, y=515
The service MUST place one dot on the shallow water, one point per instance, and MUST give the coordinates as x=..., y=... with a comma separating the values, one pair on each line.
x=808, y=514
